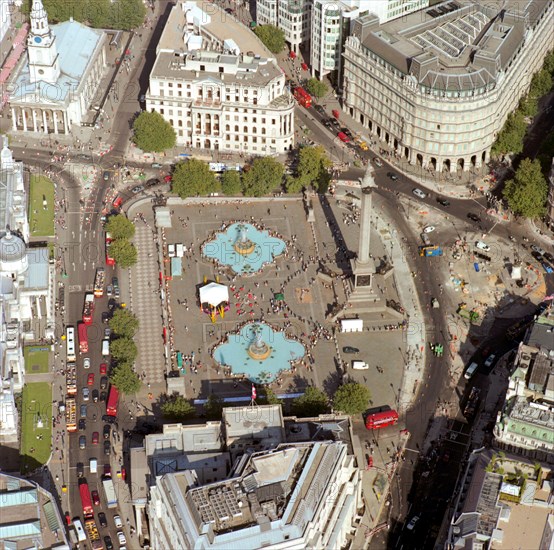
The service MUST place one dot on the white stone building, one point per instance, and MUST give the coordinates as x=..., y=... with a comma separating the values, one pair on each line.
x=5, y=19
x=438, y=85
x=53, y=88
x=215, y=88
x=25, y=288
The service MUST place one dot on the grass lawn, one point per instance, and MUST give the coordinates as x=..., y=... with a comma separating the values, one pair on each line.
x=36, y=359
x=41, y=218
x=36, y=404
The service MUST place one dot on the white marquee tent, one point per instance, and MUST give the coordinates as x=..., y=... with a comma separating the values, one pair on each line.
x=214, y=294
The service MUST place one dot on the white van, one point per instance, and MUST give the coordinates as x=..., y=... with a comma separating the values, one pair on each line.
x=482, y=246
x=105, y=348
x=93, y=465
x=81, y=535
x=470, y=371
x=360, y=365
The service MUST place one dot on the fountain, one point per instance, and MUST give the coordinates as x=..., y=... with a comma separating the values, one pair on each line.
x=258, y=349
x=244, y=246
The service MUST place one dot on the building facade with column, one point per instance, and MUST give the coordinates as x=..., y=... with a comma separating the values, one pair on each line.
x=54, y=87
x=438, y=85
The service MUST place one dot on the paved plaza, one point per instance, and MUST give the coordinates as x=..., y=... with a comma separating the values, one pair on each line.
x=304, y=314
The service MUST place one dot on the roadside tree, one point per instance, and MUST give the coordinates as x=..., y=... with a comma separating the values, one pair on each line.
x=176, y=407
x=152, y=133
x=317, y=88
x=272, y=37
x=351, y=398
x=230, y=182
x=124, y=323
x=526, y=193
x=119, y=227
x=125, y=379
x=123, y=252
x=510, y=138
x=266, y=396
x=127, y=14
x=193, y=178
x=313, y=168
x=313, y=403
x=123, y=350
x=214, y=407
x=265, y=175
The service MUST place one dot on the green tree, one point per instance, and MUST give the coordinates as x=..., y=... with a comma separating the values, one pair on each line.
x=313, y=167
x=351, y=398
x=213, y=407
x=526, y=193
x=317, y=88
x=230, y=182
x=123, y=350
x=125, y=379
x=272, y=37
x=541, y=84
x=510, y=138
x=293, y=184
x=127, y=15
x=124, y=323
x=123, y=252
x=152, y=133
x=266, y=396
x=177, y=407
x=265, y=175
x=313, y=403
x=192, y=178
x=528, y=106
x=119, y=227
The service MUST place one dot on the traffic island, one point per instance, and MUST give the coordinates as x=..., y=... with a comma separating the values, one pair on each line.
x=41, y=207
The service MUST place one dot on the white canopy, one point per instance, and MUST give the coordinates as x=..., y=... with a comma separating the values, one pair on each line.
x=214, y=294
x=351, y=325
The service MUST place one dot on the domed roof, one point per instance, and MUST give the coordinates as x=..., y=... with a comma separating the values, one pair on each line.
x=12, y=248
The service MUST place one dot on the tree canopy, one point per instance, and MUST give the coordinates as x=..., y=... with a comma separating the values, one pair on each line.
x=272, y=37
x=213, y=407
x=510, y=138
x=99, y=14
x=351, y=398
x=119, y=227
x=176, y=407
x=125, y=379
x=123, y=252
x=124, y=323
x=317, y=88
x=526, y=193
x=266, y=396
x=123, y=350
x=313, y=403
x=193, y=178
x=152, y=133
x=265, y=175
x=313, y=168
x=231, y=183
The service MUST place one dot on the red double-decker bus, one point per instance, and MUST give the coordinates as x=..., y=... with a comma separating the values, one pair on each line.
x=381, y=419
x=88, y=308
x=303, y=97
x=86, y=500
x=83, y=339
x=111, y=404
x=109, y=259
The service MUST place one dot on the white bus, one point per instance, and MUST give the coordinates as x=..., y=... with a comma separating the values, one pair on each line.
x=81, y=535
x=70, y=343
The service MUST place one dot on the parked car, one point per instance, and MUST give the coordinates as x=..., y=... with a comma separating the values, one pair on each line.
x=107, y=333
x=537, y=255
x=443, y=202
x=378, y=162
x=419, y=193
x=90, y=379
x=474, y=217
x=156, y=165
x=392, y=176
x=83, y=411
x=108, y=542
x=86, y=394
x=117, y=521
x=107, y=431
x=106, y=175
x=490, y=360
x=137, y=189
x=105, y=317
x=549, y=257
x=350, y=349
x=103, y=396
x=107, y=448
x=103, y=368
x=121, y=537
x=80, y=469
x=102, y=519
x=481, y=245
x=538, y=249
x=82, y=442
x=95, y=438
x=343, y=137
x=86, y=363
x=103, y=382
x=95, y=497
x=82, y=425
x=547, y=267
x=108, y=418
x=429, y=229
x=109, y=290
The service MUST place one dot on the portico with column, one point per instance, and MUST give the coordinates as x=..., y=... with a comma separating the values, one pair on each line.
x=39, y=120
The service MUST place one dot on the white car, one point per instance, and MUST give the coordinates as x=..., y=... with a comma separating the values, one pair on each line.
x=171, y=250
x=117, y=521
x=482, y=246
x=121, y=538
x=86, y=394
x=412, y=523
x=86, y=363
x=419, y=193
x=429, y=229
x=538, y=249
x=490, y=360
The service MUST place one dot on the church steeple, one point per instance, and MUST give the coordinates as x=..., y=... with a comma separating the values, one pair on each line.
x=39, y=19
x=42, y=51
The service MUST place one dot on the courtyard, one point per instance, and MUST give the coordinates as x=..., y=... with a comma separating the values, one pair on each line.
x=41, y=207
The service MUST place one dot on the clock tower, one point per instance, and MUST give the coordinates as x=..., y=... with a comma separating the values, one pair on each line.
x=41, y=46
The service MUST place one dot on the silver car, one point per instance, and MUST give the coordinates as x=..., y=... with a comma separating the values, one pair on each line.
x=86, y=394
x=419, y=193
